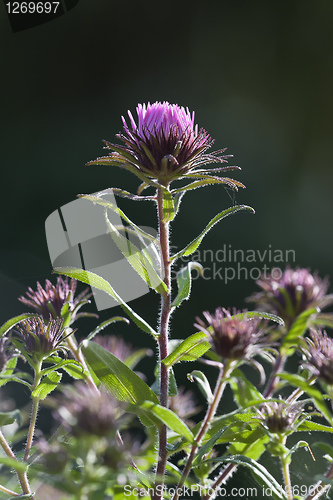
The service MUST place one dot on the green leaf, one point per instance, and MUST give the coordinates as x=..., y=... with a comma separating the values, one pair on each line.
x=169, y=418
x=260, y=472
x=140, y=260
x=242, y=389
x=203, y=384
x=7, y=418
x=297, y=330
x=121, y=381
x=206, y=448
x=317, y=397
x=209, y=180
x=191, y=247
x=103, y=325
x=69, y=365
x=100, y=283
x=17, y=465
x=325, y=447
x=308, y=425
x=184, y=282
x=137, y=356
x=47, y=385
x=14, y=321
x=20, y=497
x=190, y=349
x=259, y=314
x=130, y=196
x=6, y=374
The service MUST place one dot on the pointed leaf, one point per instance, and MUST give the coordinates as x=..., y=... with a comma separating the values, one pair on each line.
x=209, y=181
x=14, y=321
x=190, y=349
x=47, y=385
x=169, y=418
x=100, y=283
x=206, y=448
x=203, y=384
x=103, y=325
x=184, y=282
x=120, y=380
x=297, y=330
x=7, y=418
x=191, y=247
x=139, y=259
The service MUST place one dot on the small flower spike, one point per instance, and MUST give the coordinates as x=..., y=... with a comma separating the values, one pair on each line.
x=40, y=338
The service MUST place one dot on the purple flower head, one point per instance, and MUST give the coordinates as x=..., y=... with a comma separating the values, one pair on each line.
x=234, y=336
x=39, y=337
x=280, y=418
x=318, y=352
x=83, y=410
x=164, y=144
x=51, y=300
x=290, y=293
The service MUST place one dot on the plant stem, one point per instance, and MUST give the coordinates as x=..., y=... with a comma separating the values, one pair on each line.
x=164, y=235
x=285, y=462
x=269, y=391
x=211, y=410
x=34, y=411
x=9, y=492
x=274, y=378
x=77, y=353
x=22, y=476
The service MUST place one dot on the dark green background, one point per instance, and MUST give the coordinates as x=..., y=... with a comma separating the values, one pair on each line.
x=258, y=75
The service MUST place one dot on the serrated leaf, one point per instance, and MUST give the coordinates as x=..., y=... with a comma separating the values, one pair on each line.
x=190, y=349
x=184, y=282
x=191, y=247
x=100, y=283
x=203, y=384
x=121, y=381
x=14, y=321
x=47, y=385
x=169, y=418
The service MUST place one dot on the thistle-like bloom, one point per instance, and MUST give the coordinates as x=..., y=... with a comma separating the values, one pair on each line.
x=292, y=292
x=164, y=145
x=51, y=300
x=82, y=411
x=41, y=338
x=319, y=355
x=280, y=418
x=234, y=336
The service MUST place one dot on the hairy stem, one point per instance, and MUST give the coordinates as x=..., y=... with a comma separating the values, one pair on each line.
x=77, y=353
x=274, y=378
x=34, y=411
x=9, y=492
x=285, y=463
x=165, y=312
x=211, y=410
x=22, y=476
